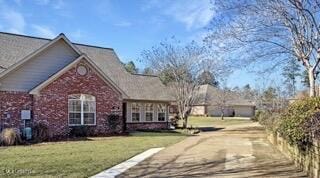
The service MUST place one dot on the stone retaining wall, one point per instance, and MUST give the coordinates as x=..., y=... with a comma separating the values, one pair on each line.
x=307, y=160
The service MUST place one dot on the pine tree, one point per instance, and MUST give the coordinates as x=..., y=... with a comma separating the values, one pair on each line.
x=291, y=72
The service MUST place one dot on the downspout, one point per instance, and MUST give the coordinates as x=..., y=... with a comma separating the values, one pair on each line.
x=124, y=116
x=1, y=115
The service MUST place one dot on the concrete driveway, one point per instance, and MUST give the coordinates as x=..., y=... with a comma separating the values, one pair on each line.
x=234, y=151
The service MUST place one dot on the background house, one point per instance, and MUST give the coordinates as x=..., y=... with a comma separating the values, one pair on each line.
x=209, y=99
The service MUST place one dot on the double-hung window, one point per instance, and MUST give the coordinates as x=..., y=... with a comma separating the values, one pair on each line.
x=161, y=112
x=82, y=109
x=135, y=112
x=149, y=112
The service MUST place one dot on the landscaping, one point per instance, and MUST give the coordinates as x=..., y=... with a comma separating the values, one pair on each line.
x=298, y=124
x=296, y=132
x=79, y=158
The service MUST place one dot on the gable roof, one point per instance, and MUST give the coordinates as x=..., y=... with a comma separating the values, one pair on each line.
x=38, y=88
x=15, y=48
x=208, y=94
x=37, y=51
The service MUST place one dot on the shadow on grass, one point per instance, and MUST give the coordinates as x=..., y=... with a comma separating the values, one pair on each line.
x=177, y=132
x=157, y=133
x=209, y=129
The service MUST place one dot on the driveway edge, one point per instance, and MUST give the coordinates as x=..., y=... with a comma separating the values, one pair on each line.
x=122, y=167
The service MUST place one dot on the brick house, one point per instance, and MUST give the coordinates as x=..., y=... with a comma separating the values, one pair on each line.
x=66, y=84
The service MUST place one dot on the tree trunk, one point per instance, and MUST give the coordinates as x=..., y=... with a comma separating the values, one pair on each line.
x=312, y=89
x=222, y=115
x=185, y=122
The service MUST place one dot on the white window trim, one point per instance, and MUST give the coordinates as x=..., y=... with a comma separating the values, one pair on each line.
x=165, y=113
x=82, y=114
x=139, y=104
x=152, y=112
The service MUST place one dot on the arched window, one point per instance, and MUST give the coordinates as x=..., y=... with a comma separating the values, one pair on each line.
x=82, y=109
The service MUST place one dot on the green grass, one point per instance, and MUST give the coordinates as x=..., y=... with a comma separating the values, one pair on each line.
x=78, y=158
x=215, y=121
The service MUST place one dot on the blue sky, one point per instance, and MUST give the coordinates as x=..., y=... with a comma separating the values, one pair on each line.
x=127, y=26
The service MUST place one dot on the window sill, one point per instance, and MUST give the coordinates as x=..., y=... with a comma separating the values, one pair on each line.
x=77, y=125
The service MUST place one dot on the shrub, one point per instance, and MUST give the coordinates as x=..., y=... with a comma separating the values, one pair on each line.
x=312, y=126
x=81, y=131
x=113, y=122
x=9, y=137
x=268, y=119
x=257, y=115
x=40, y=131
x=175, y=120
x=297, y=122
x=190, y=131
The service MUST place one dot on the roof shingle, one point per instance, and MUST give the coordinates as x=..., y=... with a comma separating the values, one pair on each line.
x=14, y=47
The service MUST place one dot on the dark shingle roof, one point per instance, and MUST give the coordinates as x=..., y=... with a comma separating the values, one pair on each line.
x=14, y=47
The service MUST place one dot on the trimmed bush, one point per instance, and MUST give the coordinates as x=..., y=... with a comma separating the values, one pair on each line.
x=40, y=131
x=113, y=121
x=299, y=124
x=81, y=131
x=9, y=137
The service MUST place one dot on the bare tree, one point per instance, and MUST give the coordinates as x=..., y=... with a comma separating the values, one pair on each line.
x=184, y=63
x=222, y=101
x=268, y=32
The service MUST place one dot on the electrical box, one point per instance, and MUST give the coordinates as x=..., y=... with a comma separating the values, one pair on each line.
x=27, y=133
x=25, y=114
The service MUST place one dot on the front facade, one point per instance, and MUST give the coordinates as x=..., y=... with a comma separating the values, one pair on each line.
x=70, y=100
x=66, y=85
x=144, y=115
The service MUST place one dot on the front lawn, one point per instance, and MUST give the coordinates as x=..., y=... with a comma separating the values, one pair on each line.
x=215, y=121
x=78, y=158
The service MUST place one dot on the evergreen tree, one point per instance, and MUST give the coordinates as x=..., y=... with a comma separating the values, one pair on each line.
x=291, y=72
x=247, y=92
x=206, y=77
x=131, y=67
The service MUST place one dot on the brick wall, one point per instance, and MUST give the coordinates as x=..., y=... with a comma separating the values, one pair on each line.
x=147, y=126
x=11, y=104
x=52, y=103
